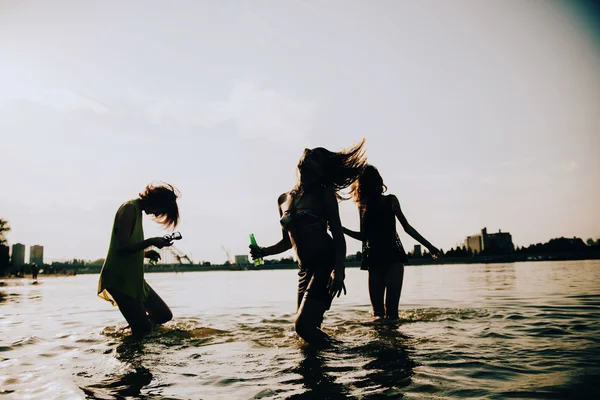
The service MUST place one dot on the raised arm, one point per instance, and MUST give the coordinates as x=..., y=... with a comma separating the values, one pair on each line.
x=409, y=229
x=283, y=245
x=332, y=212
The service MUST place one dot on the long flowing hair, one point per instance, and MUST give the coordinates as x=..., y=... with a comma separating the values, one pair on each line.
x=369, y=187
x=163, y=197
x=340, y=169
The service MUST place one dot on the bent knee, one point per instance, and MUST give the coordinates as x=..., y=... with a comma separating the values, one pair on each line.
x=301, y=326
x=168, y=316
x=298, y=324
x=164, y=317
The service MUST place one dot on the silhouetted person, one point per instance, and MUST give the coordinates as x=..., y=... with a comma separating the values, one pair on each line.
x=122, y=276
x=306, y=212
x=34, y=271
x=382, y=251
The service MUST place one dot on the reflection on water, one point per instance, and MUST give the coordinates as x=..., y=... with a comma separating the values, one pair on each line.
x=392, y=367
x=316, y=377
x=127, y=384
x=378, y=368
x=528, y=330
x=498, y=276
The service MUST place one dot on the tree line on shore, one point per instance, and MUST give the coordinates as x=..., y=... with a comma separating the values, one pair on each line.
x=560, y=245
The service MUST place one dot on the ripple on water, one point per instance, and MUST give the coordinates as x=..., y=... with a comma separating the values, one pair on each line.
x=527, y=345
x=26, y=341
x=441, y=314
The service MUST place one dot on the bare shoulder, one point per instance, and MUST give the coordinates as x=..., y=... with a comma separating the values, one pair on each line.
x=394, y=201
x=282, y=198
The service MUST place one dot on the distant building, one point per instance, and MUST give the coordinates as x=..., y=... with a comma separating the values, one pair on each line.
x=18, y=254
x=36, y=254
x=494, y=243
x=242, y=260
x=474, y=243
x=417, y=251
x=4, y=257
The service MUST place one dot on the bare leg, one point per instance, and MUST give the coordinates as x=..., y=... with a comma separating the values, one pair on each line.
x=376, y=291
x=157, y=309
x=309, y=320
x=393, y=284
x=133, y=311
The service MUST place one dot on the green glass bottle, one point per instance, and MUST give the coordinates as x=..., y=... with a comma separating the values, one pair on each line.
x=153, y=261
x=257, y=261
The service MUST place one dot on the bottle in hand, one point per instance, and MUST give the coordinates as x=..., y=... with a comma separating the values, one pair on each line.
x=257, y=261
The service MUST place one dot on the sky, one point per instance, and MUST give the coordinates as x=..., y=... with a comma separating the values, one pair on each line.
x=477, y=114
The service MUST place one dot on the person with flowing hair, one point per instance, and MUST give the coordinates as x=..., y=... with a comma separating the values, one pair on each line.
x=306, y=213
x=122, y=280
x=382, y=252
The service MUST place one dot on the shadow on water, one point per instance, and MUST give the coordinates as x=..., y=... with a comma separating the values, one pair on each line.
x=390, y=367
x=379, y=368
x=316, y=377
x=133, y=353
x=128, y=384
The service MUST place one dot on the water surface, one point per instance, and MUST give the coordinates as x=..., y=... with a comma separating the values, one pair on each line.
x=523, y=330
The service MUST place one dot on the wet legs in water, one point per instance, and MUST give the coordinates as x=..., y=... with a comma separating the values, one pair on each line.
x=142, y=316
x=309, y=320
x=385, y=287
x=158, y=311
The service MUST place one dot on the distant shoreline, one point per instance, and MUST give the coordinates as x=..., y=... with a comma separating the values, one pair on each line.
x=510, y=258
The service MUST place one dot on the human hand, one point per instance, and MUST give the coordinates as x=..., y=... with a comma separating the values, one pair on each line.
x=257, y=252
x=435, y=253
x=336, y=283
x=160, y=242
x=153, y=255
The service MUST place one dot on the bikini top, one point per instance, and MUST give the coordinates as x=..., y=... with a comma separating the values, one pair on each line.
x=303, y=216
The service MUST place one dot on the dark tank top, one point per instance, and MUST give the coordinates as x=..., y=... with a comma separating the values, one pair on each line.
x=381, y=244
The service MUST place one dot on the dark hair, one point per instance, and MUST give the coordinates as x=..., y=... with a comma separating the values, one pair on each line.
x=340, y=168
x=163, y=197
x=368, y=187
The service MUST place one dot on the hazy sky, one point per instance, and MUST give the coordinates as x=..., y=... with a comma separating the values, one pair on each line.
x=477, y=113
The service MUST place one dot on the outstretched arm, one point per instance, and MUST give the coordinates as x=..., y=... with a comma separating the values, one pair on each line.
x=409, y=229
x=353, y=234
x=283, y=245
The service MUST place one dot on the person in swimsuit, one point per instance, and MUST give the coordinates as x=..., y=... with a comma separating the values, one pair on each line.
x=382, y=252
x=122, y=277
x=306, y=212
